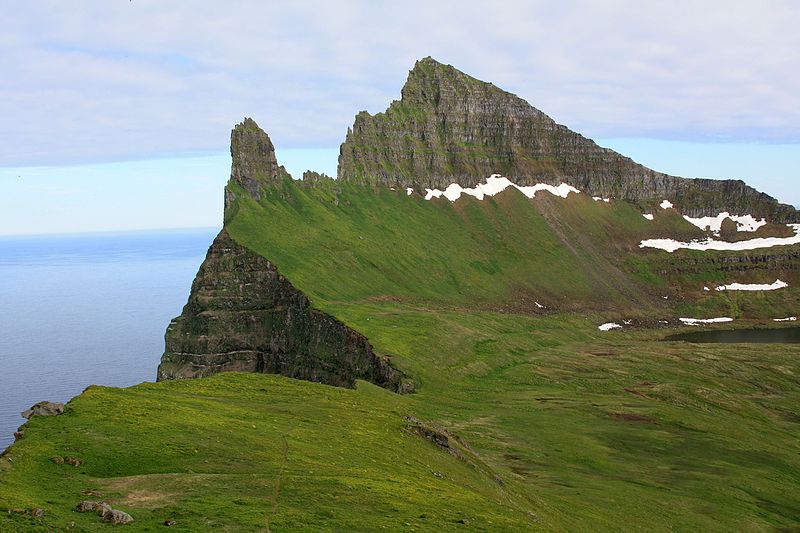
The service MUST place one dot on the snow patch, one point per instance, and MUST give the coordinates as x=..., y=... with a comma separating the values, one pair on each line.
x=697, y=321
x=608, y=326
x=648, y=216
x=743, y=222
x=753, y=286
x=601, y=199
x=670, y=245
x=666, y=204
x=540, y=306
x=409, y=191
x=496, y=184
x=787, y=319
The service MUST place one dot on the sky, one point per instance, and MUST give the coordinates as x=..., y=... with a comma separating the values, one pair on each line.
x=117, y=114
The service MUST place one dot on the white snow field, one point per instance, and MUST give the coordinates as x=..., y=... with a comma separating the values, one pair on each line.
x=753, y=286
x=666, y=204
x=608, y=326
x=743, y=222
x=670, y=245
x=698, y=321
x=787, y=319
x=496, y=184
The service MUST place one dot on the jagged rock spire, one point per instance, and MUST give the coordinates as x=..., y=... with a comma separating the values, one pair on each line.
x=253, y=161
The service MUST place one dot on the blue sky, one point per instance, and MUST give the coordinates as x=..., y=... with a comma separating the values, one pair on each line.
x=108, y=126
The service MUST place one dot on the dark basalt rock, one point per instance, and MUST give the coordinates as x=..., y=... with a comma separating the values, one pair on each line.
x=253, y=161
x=451, y=128
x=780, y=260
x=243, y=315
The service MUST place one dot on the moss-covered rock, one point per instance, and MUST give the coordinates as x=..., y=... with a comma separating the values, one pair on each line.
x=253, y=161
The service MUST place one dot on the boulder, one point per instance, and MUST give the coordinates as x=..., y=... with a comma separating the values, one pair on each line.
x=115, y=516
x=44, y=409
x=74, y=461
x=87, y=506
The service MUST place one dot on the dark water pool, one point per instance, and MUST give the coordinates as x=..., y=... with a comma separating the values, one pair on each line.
x=781, y=335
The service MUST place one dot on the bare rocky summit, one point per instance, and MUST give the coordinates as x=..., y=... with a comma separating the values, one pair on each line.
x=451, y=128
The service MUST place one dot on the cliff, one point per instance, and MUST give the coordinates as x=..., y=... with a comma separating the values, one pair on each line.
x=451, y=128
x=244, y=316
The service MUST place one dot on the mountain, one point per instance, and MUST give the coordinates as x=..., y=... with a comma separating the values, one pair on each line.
x=453, y=373
x=448, y=128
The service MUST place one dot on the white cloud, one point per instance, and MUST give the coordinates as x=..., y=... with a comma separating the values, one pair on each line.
x=98, y=80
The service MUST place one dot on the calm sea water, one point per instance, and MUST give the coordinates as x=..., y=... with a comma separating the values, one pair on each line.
x=87, y=309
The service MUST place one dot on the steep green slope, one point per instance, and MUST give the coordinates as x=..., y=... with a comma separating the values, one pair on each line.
x=503, y=252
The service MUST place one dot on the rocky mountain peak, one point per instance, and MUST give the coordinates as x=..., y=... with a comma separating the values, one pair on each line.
x=253, y=161
x=449, y=127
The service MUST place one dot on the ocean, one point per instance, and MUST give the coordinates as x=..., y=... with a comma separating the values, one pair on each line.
x=77, y=310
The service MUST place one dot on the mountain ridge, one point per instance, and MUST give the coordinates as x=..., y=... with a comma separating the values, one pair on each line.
x=449, y=127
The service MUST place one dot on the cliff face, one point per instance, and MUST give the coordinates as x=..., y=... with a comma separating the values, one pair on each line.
x=449, y=127
x=244, y=316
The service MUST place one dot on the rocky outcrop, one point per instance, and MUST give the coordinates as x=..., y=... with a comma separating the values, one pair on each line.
x=451, y=128
x=104, y=510
x=44, y=409
x=780, y=260
x=311, y=177
x=243, y=315
x=253, y=161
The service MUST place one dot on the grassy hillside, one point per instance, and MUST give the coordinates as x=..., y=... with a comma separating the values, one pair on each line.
x=554, y=425
x=346, y=243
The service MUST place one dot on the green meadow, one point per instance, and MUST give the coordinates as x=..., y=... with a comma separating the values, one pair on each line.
x=491, y=307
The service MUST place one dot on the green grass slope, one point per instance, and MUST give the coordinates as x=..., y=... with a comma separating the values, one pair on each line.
x=345, y=243
x=247, y=452
x=555, y=425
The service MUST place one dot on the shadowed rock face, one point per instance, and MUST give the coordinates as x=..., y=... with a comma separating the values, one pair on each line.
x=243, y=315
x=451, y=128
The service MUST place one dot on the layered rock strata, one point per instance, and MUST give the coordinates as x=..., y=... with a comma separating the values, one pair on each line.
x=244, y=316
x=451, y=128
